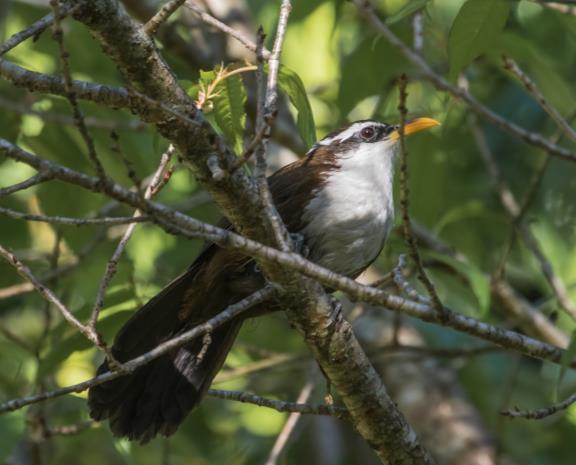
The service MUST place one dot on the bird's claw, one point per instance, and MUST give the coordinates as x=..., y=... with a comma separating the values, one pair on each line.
x=336, y=313
x=299, y=244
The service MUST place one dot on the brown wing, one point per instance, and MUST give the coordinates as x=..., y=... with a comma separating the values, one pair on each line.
x=293, y=186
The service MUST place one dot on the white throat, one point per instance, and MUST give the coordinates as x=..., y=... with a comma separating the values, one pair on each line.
x=350, y=216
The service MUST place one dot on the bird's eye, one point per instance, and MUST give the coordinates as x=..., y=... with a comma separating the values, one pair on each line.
x=367, y=133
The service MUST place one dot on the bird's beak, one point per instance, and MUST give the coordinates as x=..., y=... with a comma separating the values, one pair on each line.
x=413, y=126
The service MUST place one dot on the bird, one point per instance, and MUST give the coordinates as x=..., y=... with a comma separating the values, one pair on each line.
x=337, y=198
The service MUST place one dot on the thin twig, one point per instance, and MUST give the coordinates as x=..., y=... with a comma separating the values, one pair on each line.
x=112, y=264
x=366, y=9
x=528, y=317
x=510, y=204
x=290, y=424
x=167, y=346
x=26, y=287
x=25, y=272
x=151, y=27
x=70, y=94
x=274, y=59
x=60, y=118
x=111, y=96
x=34, y=29
x=531, y=191
x=279, y=405
x=54, y=260
x=405, y=207
x=540, y=413
x=209, y=19
x=272, y=361
x=249, y=150
x=403, y=284
x=130, y=169
x=109, y=221
x=266, y=114
x=177, y=223
x=532, y=88
x=32, y=181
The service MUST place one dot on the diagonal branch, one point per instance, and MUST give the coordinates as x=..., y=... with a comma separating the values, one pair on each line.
x=512, y=207
x=33, y=30
x=25, y=272
x=367, y=11
x=540, y=413
x=109, y=221
x=531, y=87
x=178, y=223
x=167, y=346
x=212, y=21
x=112, y=264
x=167, y=10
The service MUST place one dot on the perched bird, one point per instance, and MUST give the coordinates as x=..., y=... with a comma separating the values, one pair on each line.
x=338, y=198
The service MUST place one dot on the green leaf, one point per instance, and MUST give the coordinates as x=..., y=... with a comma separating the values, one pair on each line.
x=229, y=110
x=411, y=7
x=533, y=58
x=291, y=84
x=471, y=209
x=12, y=425
x=474, y=30
x=567, y=357
x=356, y=83
x=478, y=281
x=206, y=77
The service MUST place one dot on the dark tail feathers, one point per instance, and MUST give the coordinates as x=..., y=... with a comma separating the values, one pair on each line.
x=156, y=398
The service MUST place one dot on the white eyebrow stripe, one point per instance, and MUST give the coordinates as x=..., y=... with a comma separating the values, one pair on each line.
x=347, y=133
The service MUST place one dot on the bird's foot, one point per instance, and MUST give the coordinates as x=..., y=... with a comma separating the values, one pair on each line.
x=336, y=313
x=299, y=244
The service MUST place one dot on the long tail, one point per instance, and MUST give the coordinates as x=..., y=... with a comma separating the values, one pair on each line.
x=156, y=398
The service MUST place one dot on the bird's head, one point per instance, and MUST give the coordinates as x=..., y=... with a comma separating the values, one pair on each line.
x=361, y=154
x=370, y=137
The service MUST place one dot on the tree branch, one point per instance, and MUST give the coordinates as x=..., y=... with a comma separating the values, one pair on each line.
x=306, y=303
x=540, y=413
x=531, y=87
x=168, y=9
x=47, y=294
x=108, y=221
x=367, y=11
x=167, y=346
x=33, y=30
x=279, y=405
x=179, y=223
x=209, y=19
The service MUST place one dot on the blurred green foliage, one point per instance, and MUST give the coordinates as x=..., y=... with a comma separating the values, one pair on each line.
x=348, y=73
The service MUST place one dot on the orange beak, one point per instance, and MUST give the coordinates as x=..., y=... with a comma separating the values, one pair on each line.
x=413, y=126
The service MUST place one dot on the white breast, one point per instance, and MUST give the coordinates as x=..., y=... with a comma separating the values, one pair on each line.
x=350, y=217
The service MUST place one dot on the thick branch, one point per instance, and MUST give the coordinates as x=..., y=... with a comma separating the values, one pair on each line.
x=338, y=352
